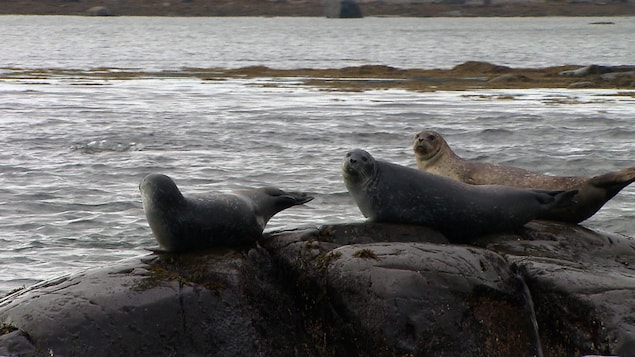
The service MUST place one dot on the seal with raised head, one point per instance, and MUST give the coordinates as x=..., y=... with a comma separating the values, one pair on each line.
x=182, y=223
x=433, y=155
x=391, y=193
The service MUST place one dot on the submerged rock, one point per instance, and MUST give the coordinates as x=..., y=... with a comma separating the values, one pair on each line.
x=349, y=289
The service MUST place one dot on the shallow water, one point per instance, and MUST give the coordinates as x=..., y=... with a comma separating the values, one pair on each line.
x=75, y=149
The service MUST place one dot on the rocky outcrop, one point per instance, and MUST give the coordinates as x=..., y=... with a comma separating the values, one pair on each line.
x=99, y=11
x=621, y=76
x=350, y=289
x=344, y=9
x=596, y=69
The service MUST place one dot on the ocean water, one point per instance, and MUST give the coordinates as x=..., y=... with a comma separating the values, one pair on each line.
x=74, y=148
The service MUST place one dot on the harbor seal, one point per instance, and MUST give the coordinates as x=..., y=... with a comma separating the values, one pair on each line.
x=433, y=155
x=198, y=222
x=391, y=193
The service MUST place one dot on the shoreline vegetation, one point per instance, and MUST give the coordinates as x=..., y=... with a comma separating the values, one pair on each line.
x=316, y=8
x=471, y=75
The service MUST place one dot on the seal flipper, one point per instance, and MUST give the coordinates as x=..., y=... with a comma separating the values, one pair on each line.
x=557, y=199
x=614, y=182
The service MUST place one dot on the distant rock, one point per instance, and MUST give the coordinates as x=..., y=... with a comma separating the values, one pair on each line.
x=596, y=69
x=344, y=9
x=583, y=84
x=510, y=77
x=99, y=11
x=618, y=75
x=621, y=76
x=347, y=289
x=620, y=79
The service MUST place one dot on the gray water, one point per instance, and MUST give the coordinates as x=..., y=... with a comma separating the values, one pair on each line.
x=172, y=43
x=74, y=148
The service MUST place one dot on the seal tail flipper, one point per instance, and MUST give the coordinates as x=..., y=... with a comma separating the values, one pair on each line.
x=614, y=182
x=557, y=199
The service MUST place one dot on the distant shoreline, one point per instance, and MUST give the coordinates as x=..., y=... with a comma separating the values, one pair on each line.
x=203, y=8
x=470, y=75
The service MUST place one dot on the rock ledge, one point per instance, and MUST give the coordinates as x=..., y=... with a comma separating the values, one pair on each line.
x=349, y=289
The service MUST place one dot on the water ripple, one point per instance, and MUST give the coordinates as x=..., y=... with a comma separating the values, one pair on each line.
x=96, y=147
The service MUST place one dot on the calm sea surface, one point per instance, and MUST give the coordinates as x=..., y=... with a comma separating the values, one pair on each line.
x=74, y=148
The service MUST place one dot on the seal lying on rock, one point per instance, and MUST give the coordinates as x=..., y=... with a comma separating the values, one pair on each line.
x=185, y=224
x=433, y=155
x=391, y=193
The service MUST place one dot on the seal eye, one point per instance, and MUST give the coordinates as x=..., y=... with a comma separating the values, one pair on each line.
x=364, y=158
x=431, y=137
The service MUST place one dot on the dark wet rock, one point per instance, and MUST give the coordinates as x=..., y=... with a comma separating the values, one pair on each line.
x=344, y=9
x=582, y=284
x=99, y=11
x=419, y=298
x=621, y=79
x=480, y=67
x=349, y=289
x=510, y=77
x=15, y=343
x=616, y=75
x=583, y=71
x=198, y=304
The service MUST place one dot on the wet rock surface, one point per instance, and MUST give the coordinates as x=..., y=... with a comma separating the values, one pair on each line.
x=350, y=289
x=582, y=284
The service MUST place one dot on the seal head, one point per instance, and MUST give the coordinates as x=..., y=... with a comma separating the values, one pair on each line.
x=427, y=145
